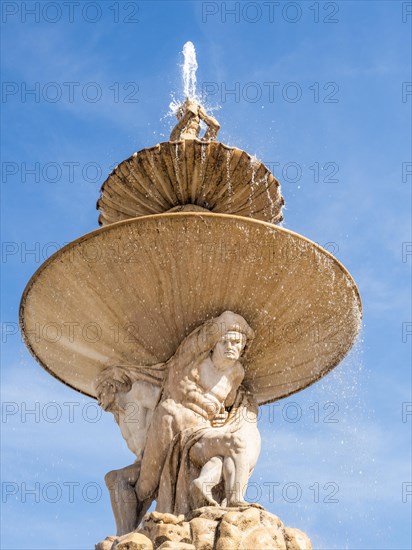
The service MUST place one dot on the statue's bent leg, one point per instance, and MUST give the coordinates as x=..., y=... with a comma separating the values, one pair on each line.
x=121, y=484
x=211, y=444
x=217, y=452
x=159, y=438
x=209, y=477
x=236, y=477
x=231, y=448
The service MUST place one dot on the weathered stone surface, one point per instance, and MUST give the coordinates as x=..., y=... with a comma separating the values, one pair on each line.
x=213, y=513
x=158, y=517
x=296, y=539
x=162, y=528
x=203, y=533
x=133, y=541
x=176, y=546
x=215, y=528
x=245, y=530
x=106, y=544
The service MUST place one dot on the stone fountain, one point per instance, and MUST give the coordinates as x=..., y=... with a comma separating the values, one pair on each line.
x=192, y=289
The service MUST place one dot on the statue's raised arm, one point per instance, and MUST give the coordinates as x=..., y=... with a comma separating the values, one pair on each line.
x=189, y=116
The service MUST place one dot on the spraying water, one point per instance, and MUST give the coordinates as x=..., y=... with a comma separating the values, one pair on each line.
x=189, y=70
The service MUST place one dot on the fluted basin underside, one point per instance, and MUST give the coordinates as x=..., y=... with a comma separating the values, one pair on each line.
x=130, y=292
x=211, y=175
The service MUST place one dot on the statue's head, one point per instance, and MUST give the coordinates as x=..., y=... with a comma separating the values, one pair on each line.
x=229, y=348
x=109, y=384
x=189, y=104
x=235, y=335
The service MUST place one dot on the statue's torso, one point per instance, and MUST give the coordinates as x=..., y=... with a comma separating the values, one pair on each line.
x=133, y=424
x=135, y=414
x=201, y=387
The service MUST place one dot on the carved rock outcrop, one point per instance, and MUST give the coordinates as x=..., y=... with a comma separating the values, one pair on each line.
x=212, y=528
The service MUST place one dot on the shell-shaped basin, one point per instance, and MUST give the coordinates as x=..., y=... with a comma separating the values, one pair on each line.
x=209, y=175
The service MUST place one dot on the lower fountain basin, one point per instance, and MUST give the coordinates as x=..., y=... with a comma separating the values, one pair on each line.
x=129, y=293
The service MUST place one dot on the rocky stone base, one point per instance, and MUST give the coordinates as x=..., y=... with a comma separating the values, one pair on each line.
x=212, y=528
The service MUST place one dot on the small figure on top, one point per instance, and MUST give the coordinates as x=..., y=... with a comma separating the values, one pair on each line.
x=189, y=115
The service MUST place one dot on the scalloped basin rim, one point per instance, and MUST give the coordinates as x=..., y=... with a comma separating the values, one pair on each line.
x=212, y=175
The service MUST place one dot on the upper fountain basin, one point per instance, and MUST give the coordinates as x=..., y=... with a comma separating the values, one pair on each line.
x=190, y=174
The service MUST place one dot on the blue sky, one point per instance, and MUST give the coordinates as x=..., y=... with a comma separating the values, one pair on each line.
x=318, y=88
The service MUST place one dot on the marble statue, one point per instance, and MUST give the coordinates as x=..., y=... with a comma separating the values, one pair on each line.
x=190, y=423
